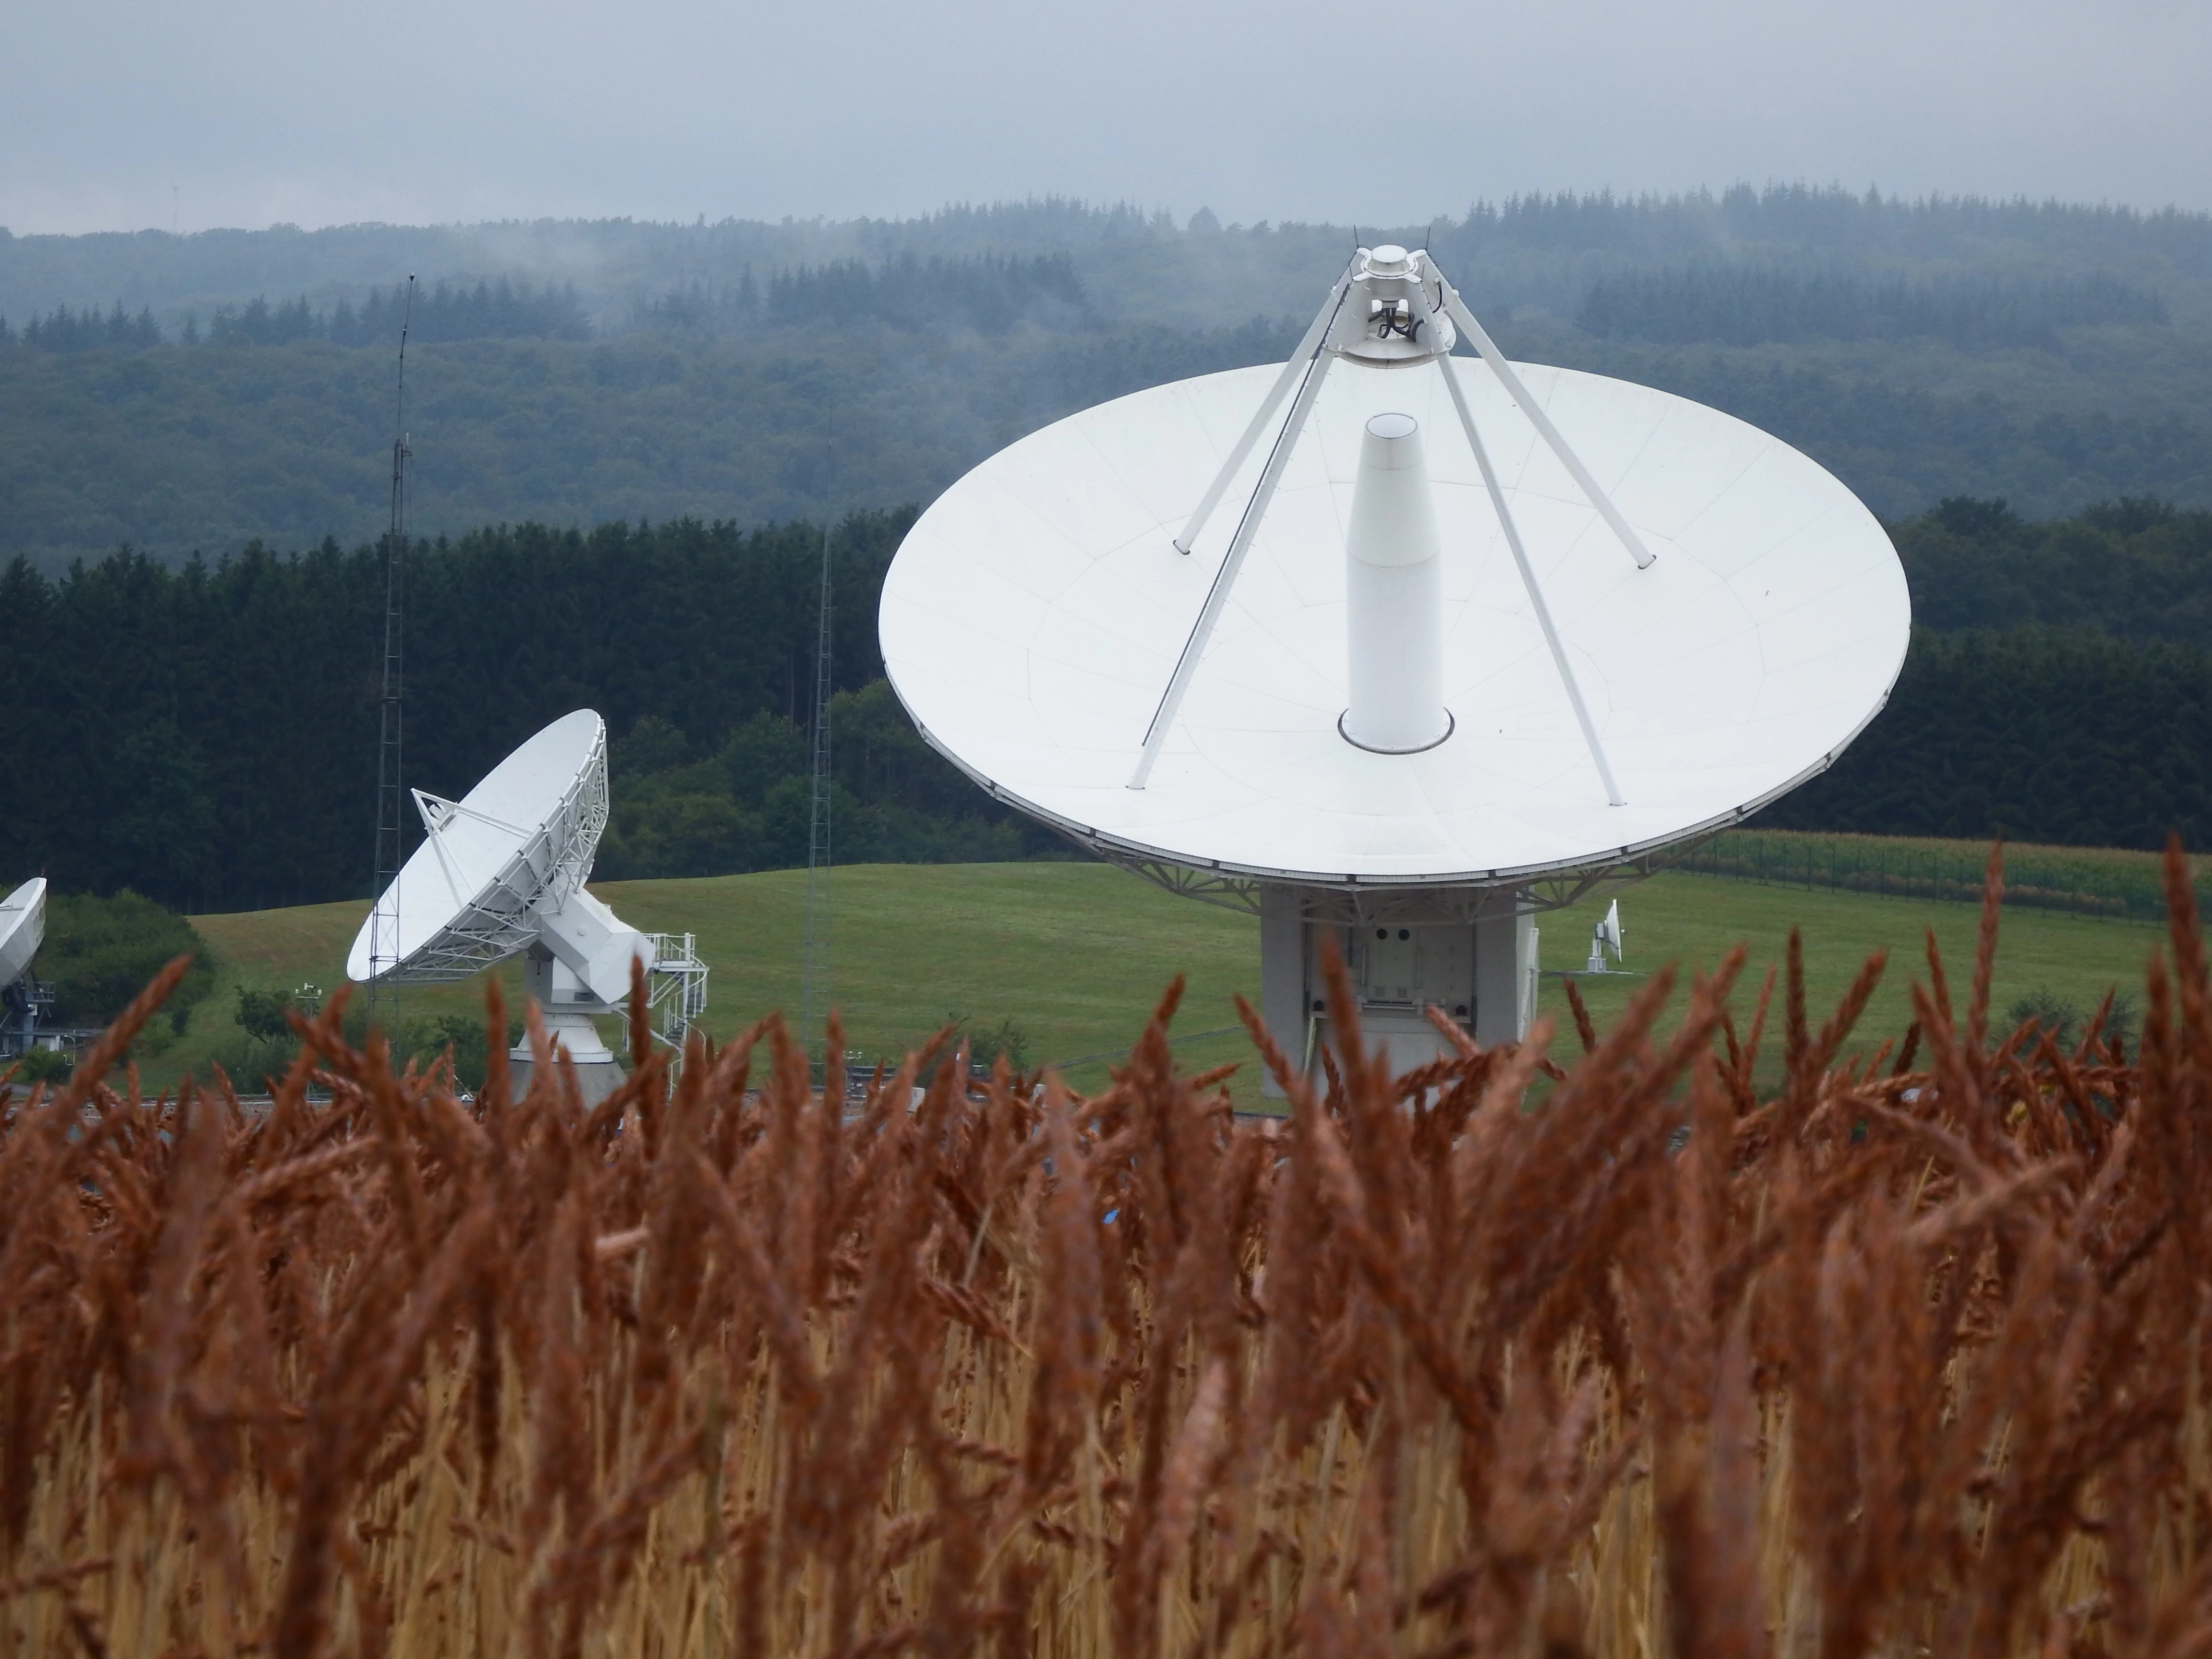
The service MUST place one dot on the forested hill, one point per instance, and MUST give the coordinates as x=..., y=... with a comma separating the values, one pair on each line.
x=207, y=736
x=2058, y=688
x=1532, y=251
x=198, y=392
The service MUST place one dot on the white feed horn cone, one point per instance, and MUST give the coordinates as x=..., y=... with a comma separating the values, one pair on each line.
x=1393, y=597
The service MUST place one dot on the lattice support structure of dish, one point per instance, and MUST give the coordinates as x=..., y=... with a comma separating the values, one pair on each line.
x=23, y=998
x=504, y=916
x=1348, y=902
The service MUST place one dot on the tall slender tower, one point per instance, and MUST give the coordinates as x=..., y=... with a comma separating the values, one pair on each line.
x=814, y=982
x=384, y=946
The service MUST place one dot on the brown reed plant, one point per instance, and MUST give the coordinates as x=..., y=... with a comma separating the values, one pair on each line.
x=1500, y=1357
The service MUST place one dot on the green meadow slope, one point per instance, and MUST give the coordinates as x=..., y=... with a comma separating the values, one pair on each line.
x=1073, y=955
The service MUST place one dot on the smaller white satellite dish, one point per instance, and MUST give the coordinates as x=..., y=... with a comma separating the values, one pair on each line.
x=22, y=929
x=494, y=864
x=501, y=871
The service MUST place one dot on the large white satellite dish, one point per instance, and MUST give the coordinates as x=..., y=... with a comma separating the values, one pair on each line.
x=501, y=871
x=22, y=931
x=1464, y=639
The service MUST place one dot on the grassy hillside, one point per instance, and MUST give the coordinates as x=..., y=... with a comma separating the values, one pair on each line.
x=1074, y=955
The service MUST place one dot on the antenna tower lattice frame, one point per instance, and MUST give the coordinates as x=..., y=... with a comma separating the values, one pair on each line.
x=814, y=982
x=391, y=792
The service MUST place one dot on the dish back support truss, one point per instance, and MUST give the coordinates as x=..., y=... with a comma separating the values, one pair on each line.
x=1358, y=903
x=506, y=917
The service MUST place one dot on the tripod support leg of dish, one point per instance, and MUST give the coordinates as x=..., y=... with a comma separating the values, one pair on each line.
x=1312, y=357
x=1456, y=309
x=1303, y=356
x=1535, y=589
x=1232, y=562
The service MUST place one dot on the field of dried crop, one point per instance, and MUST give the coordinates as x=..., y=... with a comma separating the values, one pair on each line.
x=1903, y=1355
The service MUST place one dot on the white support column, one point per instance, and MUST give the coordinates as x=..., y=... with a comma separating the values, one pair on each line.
x=1283, y=951
x=1393, y=597
x=1505, y=953
x=545, y=982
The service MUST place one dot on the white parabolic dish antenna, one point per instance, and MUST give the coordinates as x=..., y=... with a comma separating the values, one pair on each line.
x=494, y=864
x=1767, y=631
x=501, y=871
x=22, y=929
x=1647, y=618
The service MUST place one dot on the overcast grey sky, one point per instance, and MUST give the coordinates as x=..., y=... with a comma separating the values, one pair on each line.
x=255, y=111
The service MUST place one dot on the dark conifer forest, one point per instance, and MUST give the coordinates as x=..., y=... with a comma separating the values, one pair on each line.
x=207, y=735
x=1740, y=305
x=2058, y=688
x=2023, y=390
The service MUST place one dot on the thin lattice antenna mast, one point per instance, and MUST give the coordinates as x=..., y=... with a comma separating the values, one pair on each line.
x=391, y=790
x=814, y=982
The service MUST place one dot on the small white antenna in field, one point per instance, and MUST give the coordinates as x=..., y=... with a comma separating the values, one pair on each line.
x=1606, y=936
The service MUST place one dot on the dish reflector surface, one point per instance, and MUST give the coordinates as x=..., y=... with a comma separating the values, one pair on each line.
x=524, y=837
x=22, y=929
x=1036, y=611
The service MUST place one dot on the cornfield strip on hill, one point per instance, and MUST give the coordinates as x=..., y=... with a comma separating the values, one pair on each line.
x=1904, y=1357
x=2114, y=883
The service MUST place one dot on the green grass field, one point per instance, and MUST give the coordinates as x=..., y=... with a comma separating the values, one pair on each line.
x=1074, y=955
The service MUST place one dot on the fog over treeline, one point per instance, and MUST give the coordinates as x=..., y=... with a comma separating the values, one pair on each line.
x=193, y=392
x=1535, y=249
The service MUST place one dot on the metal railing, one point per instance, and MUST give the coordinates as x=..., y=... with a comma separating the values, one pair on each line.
x=678, y=997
